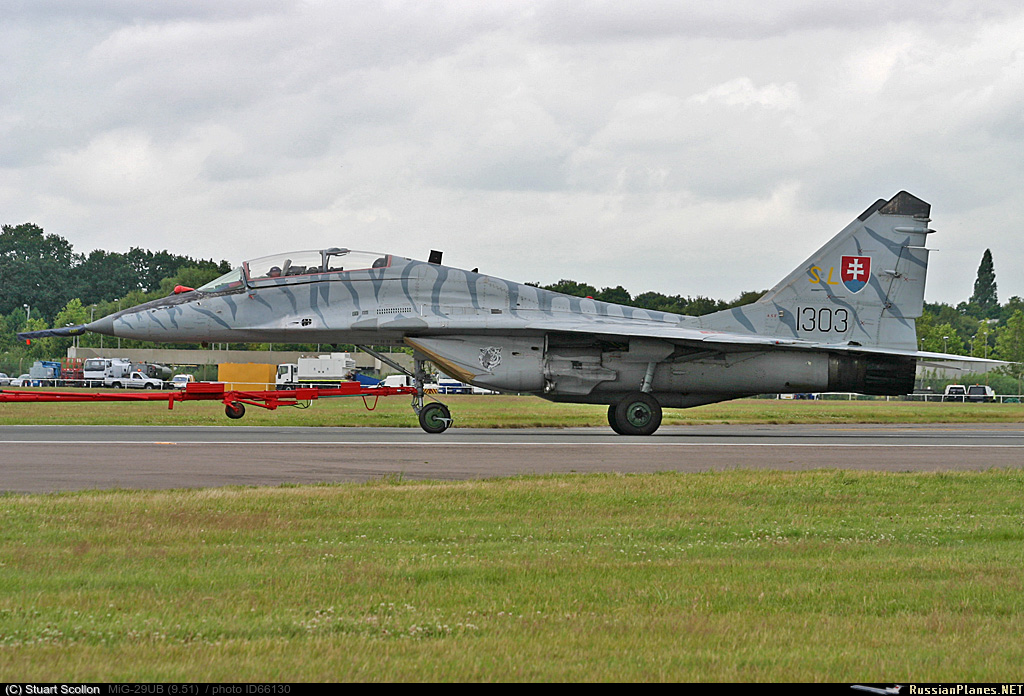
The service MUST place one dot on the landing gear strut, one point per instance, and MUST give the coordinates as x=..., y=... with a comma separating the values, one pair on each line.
x=638, y=413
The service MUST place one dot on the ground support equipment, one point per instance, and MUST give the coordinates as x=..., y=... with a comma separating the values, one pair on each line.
x=234, y=400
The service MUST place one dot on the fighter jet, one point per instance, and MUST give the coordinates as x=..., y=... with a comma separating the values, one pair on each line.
x=841, y=321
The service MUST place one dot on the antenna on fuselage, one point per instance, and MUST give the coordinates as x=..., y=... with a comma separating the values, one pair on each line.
x=435, y=257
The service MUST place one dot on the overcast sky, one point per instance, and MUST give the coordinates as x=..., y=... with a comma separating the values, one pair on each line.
x=683, y=147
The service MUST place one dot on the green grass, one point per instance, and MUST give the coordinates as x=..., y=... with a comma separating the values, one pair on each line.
x=733, y=576
x=506, y=412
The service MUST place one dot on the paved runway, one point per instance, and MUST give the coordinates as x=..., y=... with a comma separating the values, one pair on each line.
x=65, y=458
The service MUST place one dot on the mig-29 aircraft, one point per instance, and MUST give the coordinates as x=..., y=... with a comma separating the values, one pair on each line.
x=842, y=321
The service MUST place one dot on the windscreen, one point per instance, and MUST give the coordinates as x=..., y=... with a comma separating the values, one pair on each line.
x=229, y=281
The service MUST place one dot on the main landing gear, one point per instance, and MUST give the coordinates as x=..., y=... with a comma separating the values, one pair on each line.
x=638, y=413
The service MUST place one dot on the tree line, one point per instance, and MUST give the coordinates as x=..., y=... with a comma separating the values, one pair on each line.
x=44, y=272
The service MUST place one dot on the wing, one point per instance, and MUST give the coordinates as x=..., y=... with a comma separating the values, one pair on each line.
x=725, y=341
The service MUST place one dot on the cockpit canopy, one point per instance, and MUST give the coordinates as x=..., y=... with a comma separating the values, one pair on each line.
x=298, y=265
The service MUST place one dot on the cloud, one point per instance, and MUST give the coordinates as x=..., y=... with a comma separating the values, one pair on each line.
x=675, y=146
x=742, y=92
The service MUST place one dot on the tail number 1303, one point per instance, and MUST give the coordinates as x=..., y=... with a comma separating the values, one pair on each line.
x=823, y=319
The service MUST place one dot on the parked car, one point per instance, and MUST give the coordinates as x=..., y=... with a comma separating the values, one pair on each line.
x=22, y=381
x=179, y=381
x=135, y=380
x=4, y=379
x=980, y=393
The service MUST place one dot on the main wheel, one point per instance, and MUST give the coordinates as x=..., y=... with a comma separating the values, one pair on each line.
x=612, y=421
x=435, y=418
x=638, y=413
x=234, y=410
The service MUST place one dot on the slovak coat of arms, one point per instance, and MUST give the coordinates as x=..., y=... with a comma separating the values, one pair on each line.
x=855, y=272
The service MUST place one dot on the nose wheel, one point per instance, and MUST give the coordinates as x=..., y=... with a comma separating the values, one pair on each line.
x=435, y=418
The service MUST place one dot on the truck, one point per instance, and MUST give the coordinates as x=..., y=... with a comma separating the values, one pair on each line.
x=103, y=372
x=161, y=372
x=95, y=371
x=46, y=373
x=407, y=381
x=71, y=371
x=182, y=380
x=450, y=385
x=976, y=393
x=321, y=371
x=133, y=380
x=981, y=393
x=51, y=373
x=955, y=392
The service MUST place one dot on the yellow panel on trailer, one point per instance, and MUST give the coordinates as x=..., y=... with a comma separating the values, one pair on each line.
x=247, y=376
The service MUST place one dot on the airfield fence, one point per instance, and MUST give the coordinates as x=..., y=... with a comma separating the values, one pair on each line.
x=852, y=396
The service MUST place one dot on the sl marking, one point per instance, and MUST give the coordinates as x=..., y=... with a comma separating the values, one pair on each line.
x=816, y=275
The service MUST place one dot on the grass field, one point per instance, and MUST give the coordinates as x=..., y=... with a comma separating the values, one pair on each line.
x=735, y=576
x=506, y=412
x=732, y=576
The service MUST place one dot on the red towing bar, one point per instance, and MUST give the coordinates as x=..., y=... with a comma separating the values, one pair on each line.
x=234, y=400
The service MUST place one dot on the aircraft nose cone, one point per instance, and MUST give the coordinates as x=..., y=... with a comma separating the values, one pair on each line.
x=104, y=325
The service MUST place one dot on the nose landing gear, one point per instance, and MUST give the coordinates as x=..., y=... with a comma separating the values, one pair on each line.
x=434, y=417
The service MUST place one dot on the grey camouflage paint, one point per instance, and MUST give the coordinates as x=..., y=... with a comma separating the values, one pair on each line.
x=580, y=349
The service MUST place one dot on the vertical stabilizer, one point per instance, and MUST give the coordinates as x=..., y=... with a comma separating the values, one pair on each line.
x=864, y=287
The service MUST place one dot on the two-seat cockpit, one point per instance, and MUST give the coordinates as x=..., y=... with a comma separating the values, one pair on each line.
x=296, y=267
